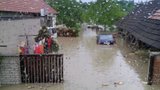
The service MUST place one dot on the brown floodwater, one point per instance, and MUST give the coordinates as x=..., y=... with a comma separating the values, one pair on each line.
x=88, y=66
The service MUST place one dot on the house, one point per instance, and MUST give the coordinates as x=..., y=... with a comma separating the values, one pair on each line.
x=20, y=20
x=143, y=23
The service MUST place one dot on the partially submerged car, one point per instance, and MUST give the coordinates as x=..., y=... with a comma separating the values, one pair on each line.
x=105, y=39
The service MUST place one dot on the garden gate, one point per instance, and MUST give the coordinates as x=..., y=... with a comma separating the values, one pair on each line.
x=46, y=68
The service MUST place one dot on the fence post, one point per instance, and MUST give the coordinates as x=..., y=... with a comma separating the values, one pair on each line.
x=151, y=68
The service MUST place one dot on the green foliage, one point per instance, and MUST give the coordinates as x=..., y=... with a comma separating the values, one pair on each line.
x=103, y=12
x=77, y=29
x=55, y=47
x=69, y=11
x=43, y=33
x=127, y=5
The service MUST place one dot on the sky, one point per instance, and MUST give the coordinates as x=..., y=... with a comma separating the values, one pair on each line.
x=134, y=0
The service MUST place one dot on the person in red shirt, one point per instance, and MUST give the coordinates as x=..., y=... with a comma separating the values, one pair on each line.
x=49, y=41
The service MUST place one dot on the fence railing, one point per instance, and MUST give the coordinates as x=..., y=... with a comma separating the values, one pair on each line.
x=41, y=68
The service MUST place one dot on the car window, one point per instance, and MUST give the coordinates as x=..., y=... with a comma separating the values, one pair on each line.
x=106, y=37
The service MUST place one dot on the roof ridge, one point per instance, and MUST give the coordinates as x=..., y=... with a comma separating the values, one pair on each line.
x=27, y=6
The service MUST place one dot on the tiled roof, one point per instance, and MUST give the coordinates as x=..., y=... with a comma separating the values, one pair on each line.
x=156, y=15
x=144, y=23
x=27, y=6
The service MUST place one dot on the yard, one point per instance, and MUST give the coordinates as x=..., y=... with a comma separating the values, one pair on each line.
x=88, y=66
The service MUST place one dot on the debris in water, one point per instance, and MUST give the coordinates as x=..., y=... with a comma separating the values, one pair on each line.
x=45, y=88
x=41, y=87
x=125, y=56
x=144, y=82
x=140, y=57
x=105, y=85
x=26, y=85
x=47, y=85
x=131, y=54
x=137, y=64
x=115, y=85
x=29, y=87
x=129, y=61
x=118, y=83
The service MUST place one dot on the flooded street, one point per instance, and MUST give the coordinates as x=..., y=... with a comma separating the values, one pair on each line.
x=88, y=66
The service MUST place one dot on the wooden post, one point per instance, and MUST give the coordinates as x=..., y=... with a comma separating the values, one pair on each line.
x=153, y=73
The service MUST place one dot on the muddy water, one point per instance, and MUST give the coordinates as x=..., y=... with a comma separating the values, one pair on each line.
x=89, y=66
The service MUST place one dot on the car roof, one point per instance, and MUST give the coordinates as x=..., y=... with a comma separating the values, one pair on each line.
x=104, y=36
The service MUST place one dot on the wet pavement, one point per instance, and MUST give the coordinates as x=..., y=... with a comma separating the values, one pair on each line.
x=88, y=66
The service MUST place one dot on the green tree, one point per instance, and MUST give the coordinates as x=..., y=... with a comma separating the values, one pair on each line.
x=103, y=12
x=69, y=11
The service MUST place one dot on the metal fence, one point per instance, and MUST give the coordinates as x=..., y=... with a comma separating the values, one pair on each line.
x=41, y=68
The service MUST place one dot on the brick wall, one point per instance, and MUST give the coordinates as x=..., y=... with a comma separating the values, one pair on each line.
x=10, y=71
x=156, y=70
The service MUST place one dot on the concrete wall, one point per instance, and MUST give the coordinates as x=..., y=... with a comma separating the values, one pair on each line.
x=54, y=21
x=10, y=71
x=10, y=31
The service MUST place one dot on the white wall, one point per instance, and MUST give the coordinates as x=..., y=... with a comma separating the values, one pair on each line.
x=10, y=31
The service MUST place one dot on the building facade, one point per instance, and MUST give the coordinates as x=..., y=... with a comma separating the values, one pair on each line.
x=20, y=20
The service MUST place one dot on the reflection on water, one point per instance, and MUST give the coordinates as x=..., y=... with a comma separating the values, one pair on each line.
x=89, y=66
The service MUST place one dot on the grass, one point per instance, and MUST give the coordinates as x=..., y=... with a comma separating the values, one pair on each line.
x=142, y=53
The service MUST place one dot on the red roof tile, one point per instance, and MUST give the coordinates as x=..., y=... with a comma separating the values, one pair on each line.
x=27, y=6
x=156, y=15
